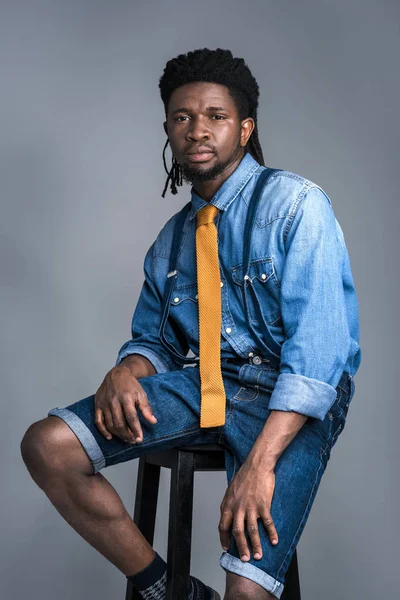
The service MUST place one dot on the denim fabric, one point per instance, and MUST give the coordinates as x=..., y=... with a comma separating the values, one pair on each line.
x=299, y=289
x=175, y=399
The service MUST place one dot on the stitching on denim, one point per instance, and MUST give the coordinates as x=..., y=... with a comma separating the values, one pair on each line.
x=172, y=303
x=294, y=210
x=184, y=286
x=275, y=320
x=304, y=517
x=337, y=401
x=235, y=397
x=240, y=186
x=230, y=413
x=255, y=386
x=231, y=406
x=254, y=397
x=255, y=261
x=278, y=283
x=262, y=224
x=243, y=191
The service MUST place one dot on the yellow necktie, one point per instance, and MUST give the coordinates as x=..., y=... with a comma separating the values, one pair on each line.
x=213, y=400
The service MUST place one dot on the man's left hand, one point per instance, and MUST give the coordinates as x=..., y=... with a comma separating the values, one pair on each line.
x=248, y=498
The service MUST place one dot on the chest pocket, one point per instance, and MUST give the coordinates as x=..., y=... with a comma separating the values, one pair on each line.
x=265, y=288
x=184, y=308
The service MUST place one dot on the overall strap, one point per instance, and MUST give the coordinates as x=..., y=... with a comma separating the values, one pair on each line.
x=169, y=285
x=251, y=213
x=270, y=347
x=176, y=239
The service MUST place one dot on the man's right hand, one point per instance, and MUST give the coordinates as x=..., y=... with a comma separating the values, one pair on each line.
x=116, y=402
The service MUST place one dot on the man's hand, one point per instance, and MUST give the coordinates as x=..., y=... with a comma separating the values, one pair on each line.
x=116, y=401
x=248, y=498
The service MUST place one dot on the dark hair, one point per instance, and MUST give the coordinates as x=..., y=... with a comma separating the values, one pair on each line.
x=216, y=66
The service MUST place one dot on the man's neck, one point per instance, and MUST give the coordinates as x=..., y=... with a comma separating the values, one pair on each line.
x=207, y=189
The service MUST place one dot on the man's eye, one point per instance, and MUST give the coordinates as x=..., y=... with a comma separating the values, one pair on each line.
x=178, y=119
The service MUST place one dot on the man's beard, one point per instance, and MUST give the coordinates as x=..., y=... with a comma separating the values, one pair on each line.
x=193, y=174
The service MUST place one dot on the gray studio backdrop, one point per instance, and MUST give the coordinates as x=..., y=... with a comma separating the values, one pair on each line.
x=81, y=180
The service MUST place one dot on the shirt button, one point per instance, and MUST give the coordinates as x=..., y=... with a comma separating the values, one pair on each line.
x=197, y=296
x=263, y=276
x=251, y=353
x=228, y=330
x=222, y=283
x=256, y=360
x=176, y=299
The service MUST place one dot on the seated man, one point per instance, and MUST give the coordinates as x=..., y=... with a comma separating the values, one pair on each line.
x=249, y=287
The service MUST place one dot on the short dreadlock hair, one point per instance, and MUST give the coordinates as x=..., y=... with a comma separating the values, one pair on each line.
x=215, y=66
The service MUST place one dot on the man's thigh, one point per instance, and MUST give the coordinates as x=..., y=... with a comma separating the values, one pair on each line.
x=297, y=477
x=174, y=397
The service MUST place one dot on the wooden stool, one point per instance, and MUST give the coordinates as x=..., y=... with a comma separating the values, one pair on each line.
x=183, y=462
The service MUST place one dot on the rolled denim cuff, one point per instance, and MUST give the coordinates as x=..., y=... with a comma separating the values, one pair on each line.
x=160, y=365
x=302, y=394
x=235, y=565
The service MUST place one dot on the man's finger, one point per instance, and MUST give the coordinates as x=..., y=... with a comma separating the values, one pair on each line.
x=133, y=420
x=269, y=526
x=108, y=419
x=100, y=424
x=252, y=530
x=146, y=409
x=120, y=425
x=224, y=527
x=239, y=535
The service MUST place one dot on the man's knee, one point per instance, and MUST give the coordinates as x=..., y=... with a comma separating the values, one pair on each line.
x=248, y=595
x=241, y=588
x=50, y=446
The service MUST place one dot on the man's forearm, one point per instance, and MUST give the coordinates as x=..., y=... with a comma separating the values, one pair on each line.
x=138, y=365
x=279, y=430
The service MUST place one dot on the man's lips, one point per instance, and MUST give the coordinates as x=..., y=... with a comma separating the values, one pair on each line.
x=200, y=156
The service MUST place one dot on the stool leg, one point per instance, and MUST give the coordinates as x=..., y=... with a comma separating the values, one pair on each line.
x=180, y=526
x=292, y=581
x=145, y=509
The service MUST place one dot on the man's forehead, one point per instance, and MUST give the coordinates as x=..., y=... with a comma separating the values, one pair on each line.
x=213, y=94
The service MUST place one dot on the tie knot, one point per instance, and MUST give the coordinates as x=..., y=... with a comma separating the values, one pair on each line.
x=206, y=214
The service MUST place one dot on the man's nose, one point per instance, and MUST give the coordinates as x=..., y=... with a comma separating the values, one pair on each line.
x=198, y=129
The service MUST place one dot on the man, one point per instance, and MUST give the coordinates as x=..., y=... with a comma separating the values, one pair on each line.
x=287, y=332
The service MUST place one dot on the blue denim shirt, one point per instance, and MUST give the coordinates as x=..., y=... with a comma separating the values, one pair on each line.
x=300, y=274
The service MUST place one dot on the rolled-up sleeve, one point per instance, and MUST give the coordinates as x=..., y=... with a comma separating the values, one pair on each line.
x=313, y=308
x=146, y=322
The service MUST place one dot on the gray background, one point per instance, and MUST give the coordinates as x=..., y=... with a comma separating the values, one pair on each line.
x=81, y=181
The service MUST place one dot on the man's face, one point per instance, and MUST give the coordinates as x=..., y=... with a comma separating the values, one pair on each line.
x=203, y=117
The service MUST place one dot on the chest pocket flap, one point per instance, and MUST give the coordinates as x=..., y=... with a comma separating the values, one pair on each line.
x=184, y=307
x=264, y=281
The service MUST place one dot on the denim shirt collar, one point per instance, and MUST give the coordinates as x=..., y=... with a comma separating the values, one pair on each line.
x=230, y=189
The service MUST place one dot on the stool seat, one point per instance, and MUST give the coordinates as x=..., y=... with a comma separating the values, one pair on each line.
x=183, y=461
x=203, y=448
x=199, y=457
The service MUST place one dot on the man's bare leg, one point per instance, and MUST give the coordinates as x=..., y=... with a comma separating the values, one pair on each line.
x=60, y=466
x=241, y=588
